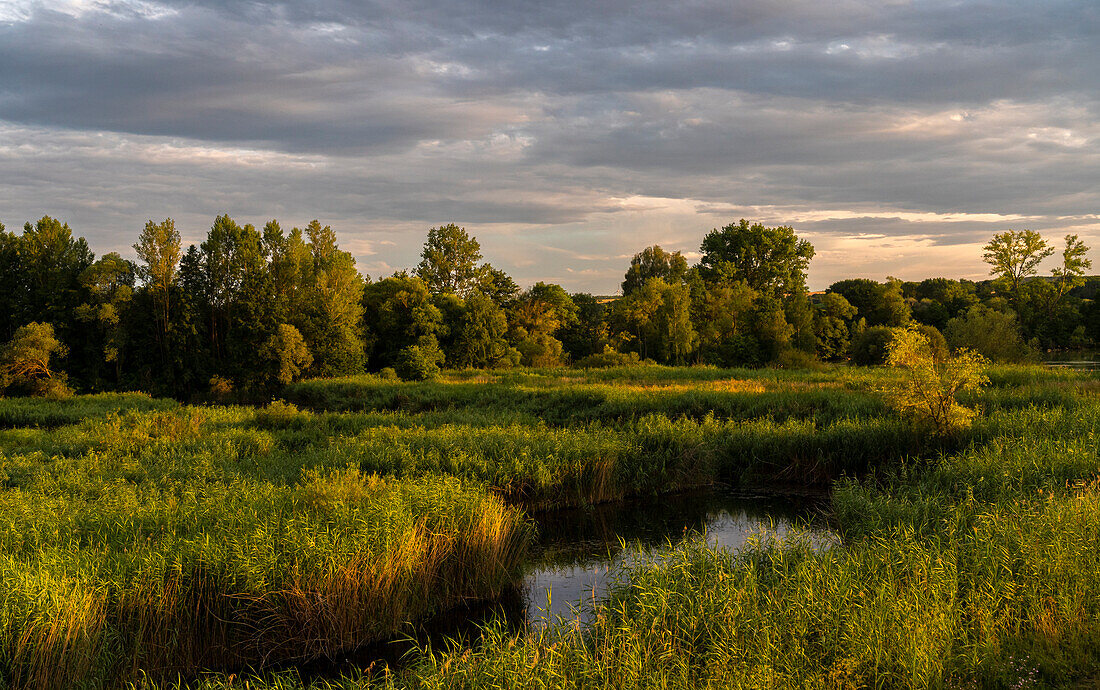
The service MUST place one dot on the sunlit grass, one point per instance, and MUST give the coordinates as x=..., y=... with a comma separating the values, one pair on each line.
x=158, y=542
x=142, y=539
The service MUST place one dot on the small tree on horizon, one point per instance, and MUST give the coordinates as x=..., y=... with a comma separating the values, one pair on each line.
x=1016, y=254
x=772, y=261
x=654, y=262
x=1074, y=265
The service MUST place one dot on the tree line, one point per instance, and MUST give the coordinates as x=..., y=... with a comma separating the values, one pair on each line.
x=248, y=310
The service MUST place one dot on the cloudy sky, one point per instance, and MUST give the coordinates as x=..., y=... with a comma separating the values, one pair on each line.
x=896, y=136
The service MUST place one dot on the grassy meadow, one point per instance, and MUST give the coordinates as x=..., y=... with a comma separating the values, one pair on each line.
x=150, y=543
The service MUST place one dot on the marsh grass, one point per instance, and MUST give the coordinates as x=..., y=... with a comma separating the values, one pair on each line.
x=149, y=546
x=616, y=396
x=143, y=541
x=36, y=412
x=975, y=565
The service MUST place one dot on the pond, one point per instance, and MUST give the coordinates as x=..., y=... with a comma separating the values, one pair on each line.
x=579, y=551
x=1081, y=360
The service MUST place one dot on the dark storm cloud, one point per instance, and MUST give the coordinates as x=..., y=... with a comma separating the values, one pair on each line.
x=554, y=118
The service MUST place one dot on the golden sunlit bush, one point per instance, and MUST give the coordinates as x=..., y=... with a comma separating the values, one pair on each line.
x=931, y=381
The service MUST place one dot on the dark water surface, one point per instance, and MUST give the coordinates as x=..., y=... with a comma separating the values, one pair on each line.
x=580, y=550
x=1080, y=360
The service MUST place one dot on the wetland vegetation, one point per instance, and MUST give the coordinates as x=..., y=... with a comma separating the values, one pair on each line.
x=151, y=542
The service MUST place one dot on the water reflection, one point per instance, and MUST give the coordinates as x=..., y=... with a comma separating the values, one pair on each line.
x=580, y=550
x=577, y=553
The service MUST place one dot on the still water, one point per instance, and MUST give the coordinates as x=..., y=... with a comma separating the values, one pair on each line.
x=581, y=551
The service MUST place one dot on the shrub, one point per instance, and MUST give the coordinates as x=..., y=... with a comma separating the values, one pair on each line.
x=287, y=354
x=870, y=346
x=278, y=414
x=936, y=341
x=608, y=358
x=928, y=388
x=993, y=334
x=739, y=351
x=415, y=363
x=388, y=374
x=793, y=358
x=25, y=362
x=220, y=387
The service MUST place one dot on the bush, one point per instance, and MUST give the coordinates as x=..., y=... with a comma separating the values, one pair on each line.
x=870, y=347
x=927, y=393
x=53, y=389
x=287, y=354
x=793, y=358
x=388, y=374
x=25, y=363
x=936, y=341
x=277, y=414
x=220, y=388
x=417, y=364
x=739, y=351
x=993, y=334
x=608, y=358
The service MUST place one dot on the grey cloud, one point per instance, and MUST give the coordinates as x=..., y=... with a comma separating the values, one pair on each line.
x=231, y=72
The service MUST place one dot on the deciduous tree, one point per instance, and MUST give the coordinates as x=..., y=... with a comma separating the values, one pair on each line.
x=1016, y=254
x=832, y=325
x=928, y=389
x=654, y=262
x=158, y=249
x=108, y=285
x=287, y=354
x=449, y=260
x=771, y=261
x=1074, y=264
x=25, y=362
x=399, y=313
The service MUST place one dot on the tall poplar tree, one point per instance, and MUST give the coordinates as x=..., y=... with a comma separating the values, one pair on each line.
x=158, y=249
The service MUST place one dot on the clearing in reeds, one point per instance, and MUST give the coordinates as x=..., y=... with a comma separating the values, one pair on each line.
x=978, y=566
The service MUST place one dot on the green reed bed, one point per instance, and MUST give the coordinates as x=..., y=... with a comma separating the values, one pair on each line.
x=138, y=538
x=540, y=466
x=536, y=466
x=1018, y=595
x=977, y=567
x=543, y=466
x=585, y=402
x=656, y=374
x=979, y=570
x=1012, y=602
x=153, y=545
x=560, y=399
x=34, y=412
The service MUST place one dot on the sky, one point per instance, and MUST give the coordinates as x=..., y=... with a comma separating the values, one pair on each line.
x=896, y=136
